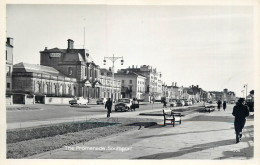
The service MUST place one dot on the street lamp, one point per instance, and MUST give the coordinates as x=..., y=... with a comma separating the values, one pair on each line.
x=113, y=59
x=245, y=86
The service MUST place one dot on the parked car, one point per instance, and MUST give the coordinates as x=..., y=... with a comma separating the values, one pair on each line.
x=180, y=103
x=232, y=101
x=123, y=104
x=187, y=103
x=101, y=101
x=173, y=102
x=78, y=101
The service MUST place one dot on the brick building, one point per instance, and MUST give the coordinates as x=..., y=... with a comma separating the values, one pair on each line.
x=75, y=63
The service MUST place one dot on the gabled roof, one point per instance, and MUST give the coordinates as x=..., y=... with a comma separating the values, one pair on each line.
x=34, y=68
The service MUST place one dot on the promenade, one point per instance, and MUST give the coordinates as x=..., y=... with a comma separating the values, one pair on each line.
x=207, y=136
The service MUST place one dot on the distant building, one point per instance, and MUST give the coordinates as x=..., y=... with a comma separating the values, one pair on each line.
x=108, y=87
x=224, y=95
x=174, y=92
x=9, y=64
x=133, y=84
x=153, y=83
x=9, y=70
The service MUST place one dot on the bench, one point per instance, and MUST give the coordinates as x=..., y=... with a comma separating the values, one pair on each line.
x=209, y=108
x=170, y=116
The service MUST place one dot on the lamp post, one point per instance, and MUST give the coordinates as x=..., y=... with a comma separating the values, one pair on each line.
x=245, y=86
x=113, y=59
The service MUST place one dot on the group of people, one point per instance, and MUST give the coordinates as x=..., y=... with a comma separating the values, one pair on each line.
x=224, y=105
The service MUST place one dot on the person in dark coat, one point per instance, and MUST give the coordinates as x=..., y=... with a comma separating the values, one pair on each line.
x=219, y=104
x=108, y=106
x=224, y=105
x=240, y=111
x=164, y=104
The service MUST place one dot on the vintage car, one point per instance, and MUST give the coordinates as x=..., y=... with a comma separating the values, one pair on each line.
x=173, y=102
x=187, y=102
x=180, y=103
x=101, y=101
x=78, y=101
x=123, y=104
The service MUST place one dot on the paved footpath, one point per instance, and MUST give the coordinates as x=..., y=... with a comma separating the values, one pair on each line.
x=208, y=136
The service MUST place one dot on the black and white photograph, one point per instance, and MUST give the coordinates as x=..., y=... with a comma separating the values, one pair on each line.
x=131, y=82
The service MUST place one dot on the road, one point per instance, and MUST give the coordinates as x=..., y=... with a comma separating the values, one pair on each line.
x=50, y=114
x=47, y=112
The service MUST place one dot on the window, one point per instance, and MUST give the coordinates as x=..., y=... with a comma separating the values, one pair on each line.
x=86, y=71
x=6, y=54
x=70, y=71
x=8, y=85
x=90, y=73
x=130, y=81
x=8, y=71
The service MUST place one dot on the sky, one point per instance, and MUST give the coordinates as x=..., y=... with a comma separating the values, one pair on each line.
x=209, y=46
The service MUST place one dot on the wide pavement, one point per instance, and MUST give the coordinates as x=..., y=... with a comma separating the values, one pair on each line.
x=208, y=136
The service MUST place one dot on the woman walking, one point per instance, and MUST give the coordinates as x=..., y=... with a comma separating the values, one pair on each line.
x=219, y=104
x=224, y=105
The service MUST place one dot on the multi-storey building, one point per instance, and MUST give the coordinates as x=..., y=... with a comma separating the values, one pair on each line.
x=133, y=84
x=153, y=81
x=110, y=88
x=9, y=64
x=75, y=63
x=225, y=95
x=174, y=92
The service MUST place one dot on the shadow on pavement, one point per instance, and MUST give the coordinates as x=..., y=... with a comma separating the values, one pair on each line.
x=187, y=150
x=143, y=137
x=212, y=118
x=247, y=153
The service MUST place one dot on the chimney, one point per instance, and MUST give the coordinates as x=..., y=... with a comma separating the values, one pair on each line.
x=45, y=48
x=10, y=41
x=133, y=66
x=70, y=44
x=197, y=86
x=192, y=86
x=176, y=84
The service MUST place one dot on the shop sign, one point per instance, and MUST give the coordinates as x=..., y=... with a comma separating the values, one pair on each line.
x=55, y=54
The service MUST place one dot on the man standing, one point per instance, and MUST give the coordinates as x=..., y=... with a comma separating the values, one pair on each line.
x=219, y=104
x=240, y=111
x=108, y=105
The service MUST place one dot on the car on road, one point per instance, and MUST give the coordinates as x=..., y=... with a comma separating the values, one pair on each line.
x=180, y=103
x=78, y=101
x=124, y=104
x=232, y=101
x=101, y=101
x=187, y=102
x=173, y=102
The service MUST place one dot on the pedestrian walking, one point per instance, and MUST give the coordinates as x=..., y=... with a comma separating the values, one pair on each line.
x=108, y=106
x=134, y=104
x=224, y=105
x=164, y=104
x=219, y=104
x=240, y=111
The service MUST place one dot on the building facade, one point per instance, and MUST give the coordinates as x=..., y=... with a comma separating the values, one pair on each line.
x=153, y=83
x=133, y=84
x=110, y=88
x=9, y=64
x=75, y=63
